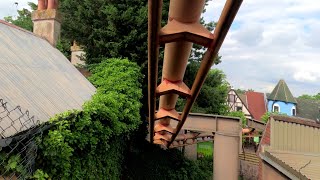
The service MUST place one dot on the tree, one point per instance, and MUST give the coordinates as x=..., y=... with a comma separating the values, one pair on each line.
x=242, y=91
x=117, y=29
x=213, y=94
x=113, y=28
x=23, y=19
x=265, y=117
x=313, y=97
x=107, y=28
x=240, y=115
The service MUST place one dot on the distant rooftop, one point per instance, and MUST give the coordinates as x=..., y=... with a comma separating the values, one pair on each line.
x=282, y=93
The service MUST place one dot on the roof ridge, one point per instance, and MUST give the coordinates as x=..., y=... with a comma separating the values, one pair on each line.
x=18, y=28
x=285, y=92
x=277, y=91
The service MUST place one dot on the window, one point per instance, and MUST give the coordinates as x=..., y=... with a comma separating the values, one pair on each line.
x=238, y=108
x=293, y=111
x=276, y=108
x=231, y=98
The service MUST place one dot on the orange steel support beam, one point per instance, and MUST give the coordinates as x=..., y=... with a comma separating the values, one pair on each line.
x=183, y=139
x=228, y=14
x=176, y=54
x=154, y=23
x=182, y=30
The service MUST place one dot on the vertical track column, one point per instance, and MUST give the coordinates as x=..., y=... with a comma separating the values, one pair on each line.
x=226, y=156
x=154, y=22
x=176, y=54
x=226, y=150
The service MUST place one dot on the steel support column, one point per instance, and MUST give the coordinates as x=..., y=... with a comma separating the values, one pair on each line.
x=226, y=156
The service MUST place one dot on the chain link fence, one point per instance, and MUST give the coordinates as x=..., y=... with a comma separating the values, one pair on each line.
x=18, y=141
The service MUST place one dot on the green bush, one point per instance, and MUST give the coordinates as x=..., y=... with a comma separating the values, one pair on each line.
x=240, y=115
x=89, y=144
x=102, y=142
x=265, y=117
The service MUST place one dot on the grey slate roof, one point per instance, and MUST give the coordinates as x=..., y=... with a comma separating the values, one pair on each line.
x=308, y=108
x=282, y=93
x=36, y=76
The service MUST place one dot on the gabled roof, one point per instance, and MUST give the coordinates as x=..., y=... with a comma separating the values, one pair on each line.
x=37, y=77
x=282, y=93
x=243, y=98
x=256, y=104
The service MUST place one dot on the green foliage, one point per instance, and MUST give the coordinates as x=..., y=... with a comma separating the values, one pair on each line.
x=107, y=28
x=113, y=28
x=149, y=161
x=90, y=144
x=265, y=117
x=205, y=149
x=241, y=91
x=240, y=115
x=212, y=97
x=23, y=19
x=63, y=46
x=40, y=175
x=312, y=97
x=11, y=164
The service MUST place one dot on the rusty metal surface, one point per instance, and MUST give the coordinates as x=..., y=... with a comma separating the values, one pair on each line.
x=154, y=19
x=183, y=28
x=192, y=32
x=228, y=14
x=37, y=76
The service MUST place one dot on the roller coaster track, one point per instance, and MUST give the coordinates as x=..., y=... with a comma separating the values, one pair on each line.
x=182, y=30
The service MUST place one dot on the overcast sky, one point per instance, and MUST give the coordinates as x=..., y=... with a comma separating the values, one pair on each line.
x=269, y=40
x=272, y=40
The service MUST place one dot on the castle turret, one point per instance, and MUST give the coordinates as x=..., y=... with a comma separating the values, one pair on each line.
x=281, y=100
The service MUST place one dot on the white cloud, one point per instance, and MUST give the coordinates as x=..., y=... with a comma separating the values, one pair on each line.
x=272, y=40
x=9, y=7
x=269, y=40
x=305, y=76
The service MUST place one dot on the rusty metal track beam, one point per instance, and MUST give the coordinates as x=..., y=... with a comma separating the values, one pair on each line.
x=228, y=14
x=192, y=32
x=154, y=23
x=184, y=139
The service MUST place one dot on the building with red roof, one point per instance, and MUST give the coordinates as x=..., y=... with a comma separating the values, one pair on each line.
x=256, y=104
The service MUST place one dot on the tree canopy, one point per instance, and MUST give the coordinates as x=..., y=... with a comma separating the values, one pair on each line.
x=23, y=19
x=312, y=97
x=213, y=94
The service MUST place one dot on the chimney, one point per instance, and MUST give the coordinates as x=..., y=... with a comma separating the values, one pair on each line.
x=77, y=54
x=47, y=21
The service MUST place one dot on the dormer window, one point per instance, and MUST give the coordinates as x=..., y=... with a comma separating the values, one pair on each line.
x=276, y=108
x=293, y=110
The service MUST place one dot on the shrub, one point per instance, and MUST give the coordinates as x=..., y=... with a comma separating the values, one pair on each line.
x=89, y=144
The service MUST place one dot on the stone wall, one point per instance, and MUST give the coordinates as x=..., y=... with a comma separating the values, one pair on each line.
x=248, y=170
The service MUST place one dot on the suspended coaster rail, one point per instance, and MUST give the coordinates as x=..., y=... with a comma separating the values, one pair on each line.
x=183, y=29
